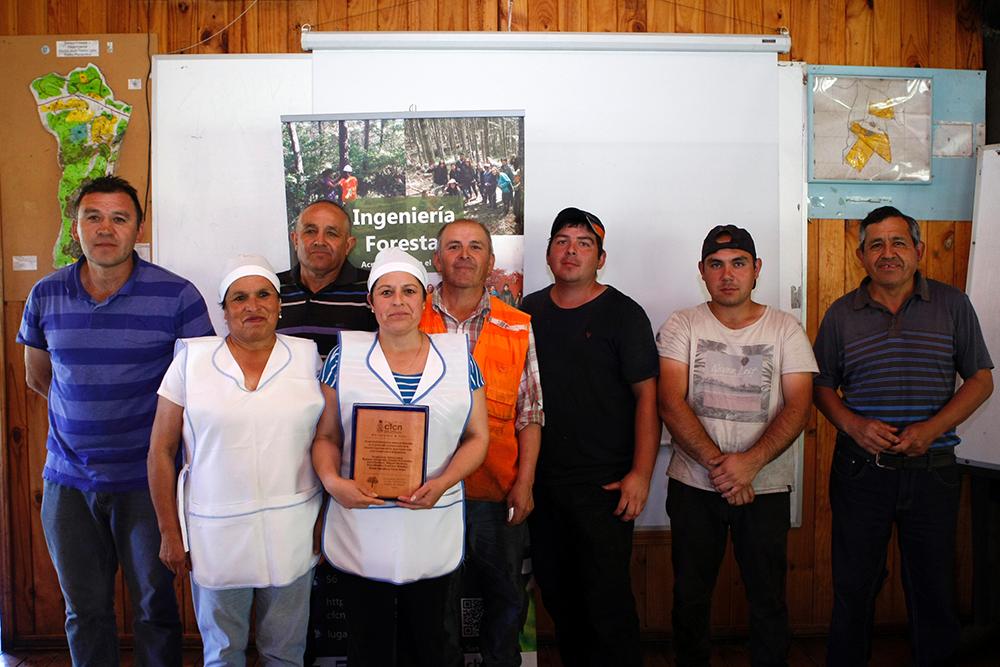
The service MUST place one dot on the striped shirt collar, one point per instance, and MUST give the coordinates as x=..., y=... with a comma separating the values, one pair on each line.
x=348, y=275
x=74, y=283
x=863, y=298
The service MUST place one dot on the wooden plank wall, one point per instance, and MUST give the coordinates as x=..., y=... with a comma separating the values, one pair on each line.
x=910, y=33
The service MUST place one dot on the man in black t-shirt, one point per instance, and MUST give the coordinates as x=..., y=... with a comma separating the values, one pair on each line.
x=599, y=365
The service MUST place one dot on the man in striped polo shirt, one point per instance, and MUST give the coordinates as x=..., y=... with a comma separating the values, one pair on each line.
x=892, y=348
x=324, y=293
x=98, y=337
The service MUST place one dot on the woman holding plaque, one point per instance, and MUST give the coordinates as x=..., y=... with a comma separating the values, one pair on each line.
x=241, y=515
x=405, y=422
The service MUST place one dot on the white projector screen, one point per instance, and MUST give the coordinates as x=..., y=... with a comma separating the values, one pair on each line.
x=661, y=146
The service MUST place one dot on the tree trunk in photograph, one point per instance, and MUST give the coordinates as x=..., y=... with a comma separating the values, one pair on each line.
x=342, y=140
x=366, y=139
x=466, y=144
x=420, y=127
x=438, y=137
x=293, y=136
x=486, y=139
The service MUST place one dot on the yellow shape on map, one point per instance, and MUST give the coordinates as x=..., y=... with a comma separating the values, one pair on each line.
x=886, y=109
x=73, y=104
x=868, y=143
x=102, y=130
x=80, y=115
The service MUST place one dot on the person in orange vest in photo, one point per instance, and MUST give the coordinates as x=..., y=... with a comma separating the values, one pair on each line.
x=348, y=185
x=499, y=495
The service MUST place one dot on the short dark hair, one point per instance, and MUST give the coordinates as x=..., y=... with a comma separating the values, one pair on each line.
x=486, y=230
x=328, y=202
x=108, y=185
x=883, y=213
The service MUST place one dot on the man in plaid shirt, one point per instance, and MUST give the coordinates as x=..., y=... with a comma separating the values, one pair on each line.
x=499, y=494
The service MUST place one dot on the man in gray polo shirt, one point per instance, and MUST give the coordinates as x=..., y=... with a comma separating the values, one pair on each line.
x=892, y=348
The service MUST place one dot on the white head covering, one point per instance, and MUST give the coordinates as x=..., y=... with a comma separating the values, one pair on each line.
x=393, y=259
x=241, y=266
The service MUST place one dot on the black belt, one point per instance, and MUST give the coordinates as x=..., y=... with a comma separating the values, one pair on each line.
x=938, y=457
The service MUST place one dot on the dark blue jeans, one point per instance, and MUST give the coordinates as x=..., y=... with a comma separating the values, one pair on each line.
x=581, y=553
x=88, y=534
x=494, y=553
x=866, y=502
x=700, y=522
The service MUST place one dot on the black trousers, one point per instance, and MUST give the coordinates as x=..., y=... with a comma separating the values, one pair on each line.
x=923, y=504
x=580, y=555
x=391, y=625
x=700, y=522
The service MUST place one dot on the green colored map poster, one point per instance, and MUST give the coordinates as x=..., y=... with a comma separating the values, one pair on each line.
x=81, y=112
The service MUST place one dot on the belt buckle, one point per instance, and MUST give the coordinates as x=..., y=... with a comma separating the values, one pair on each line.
x=878, y=462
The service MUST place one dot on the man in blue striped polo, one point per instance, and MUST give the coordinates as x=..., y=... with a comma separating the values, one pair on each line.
x=98, y=337
x=892, y=348
x=324, y=293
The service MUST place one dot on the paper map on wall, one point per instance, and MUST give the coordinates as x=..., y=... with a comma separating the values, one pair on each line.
x=80, y=111
x=871, y=129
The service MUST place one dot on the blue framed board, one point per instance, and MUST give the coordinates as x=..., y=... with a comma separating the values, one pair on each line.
x=959, y=96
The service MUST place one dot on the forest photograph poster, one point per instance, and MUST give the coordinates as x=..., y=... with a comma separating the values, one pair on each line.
x=400, y=177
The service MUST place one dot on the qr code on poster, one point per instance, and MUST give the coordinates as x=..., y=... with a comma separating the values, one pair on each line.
x=472, y=613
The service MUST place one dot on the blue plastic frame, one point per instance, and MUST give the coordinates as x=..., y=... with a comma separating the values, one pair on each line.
x=958, y=96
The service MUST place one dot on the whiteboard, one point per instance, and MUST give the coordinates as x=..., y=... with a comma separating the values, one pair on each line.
x=661, y=145
x=217, y=167
x=979, y=446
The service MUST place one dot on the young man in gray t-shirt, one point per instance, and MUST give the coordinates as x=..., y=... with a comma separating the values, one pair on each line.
x=735, y=391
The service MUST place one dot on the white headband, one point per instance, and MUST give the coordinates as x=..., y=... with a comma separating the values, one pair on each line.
x=394, y=259
x=242, y=266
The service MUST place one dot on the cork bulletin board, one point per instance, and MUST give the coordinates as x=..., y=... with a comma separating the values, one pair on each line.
x=75, y=104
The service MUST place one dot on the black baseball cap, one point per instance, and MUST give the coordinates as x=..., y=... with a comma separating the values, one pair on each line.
x=739, y=239
x=573, y=217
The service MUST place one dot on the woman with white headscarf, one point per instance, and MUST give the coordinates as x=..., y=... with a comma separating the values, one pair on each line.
x=241, y=513
x=396, y=555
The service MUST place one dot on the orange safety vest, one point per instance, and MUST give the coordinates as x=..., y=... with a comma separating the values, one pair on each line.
x=500, y=352
x=348, y=188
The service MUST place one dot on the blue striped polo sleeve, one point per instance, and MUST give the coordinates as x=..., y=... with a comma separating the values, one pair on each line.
x=476, y=379
x=31, y=333
x=192, y=317
x=328, y=375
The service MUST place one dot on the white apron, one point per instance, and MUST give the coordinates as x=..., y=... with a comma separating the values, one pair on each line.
x=387, y=542
x=248, y=496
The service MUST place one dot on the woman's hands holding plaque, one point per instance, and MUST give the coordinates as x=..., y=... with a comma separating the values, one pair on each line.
x=425, y=497
x=350, y=494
